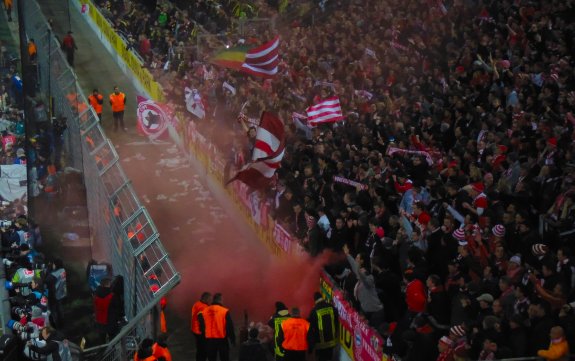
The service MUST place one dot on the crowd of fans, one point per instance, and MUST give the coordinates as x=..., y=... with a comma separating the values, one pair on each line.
x=459, y=136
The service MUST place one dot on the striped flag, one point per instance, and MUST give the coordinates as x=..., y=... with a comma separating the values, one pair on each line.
x=267, y=155
x=261, y=61
x=326, y=111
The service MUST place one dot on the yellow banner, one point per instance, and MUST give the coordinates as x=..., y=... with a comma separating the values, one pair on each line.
x=143, y=75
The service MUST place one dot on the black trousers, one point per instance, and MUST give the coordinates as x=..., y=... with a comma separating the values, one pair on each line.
x=201, y=354
x=218, y=347
x=294, y=355
x=118, y=120
x=325, y=354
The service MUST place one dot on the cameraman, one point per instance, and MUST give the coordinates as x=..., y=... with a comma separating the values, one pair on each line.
x=51, y=347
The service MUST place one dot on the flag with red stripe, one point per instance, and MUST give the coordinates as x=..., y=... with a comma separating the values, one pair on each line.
x=267, y=155
x=326, y=111
x=264, y=60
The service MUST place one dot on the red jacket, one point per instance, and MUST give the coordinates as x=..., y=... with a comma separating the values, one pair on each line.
x=415, y=296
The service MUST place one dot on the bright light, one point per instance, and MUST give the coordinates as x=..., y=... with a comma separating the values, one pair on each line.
x=227, y=46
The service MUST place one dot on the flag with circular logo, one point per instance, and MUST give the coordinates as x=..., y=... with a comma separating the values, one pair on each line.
x=153, y=118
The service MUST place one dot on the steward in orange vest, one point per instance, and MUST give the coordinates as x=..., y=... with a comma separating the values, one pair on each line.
x=293, y=336
x=145, y=352
x=32, y=51
x=216, y=325
x=118, y=103
x=160, y=348
x=96, y=100
x=197, y=309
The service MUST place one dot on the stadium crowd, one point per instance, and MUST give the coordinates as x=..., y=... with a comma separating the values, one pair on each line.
x=458, y=142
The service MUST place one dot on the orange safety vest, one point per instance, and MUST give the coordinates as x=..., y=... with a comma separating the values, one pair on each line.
x=96, y=102
x=295, y=334
x=118, y=102
x=31, y=49
x=215, y=321
x=198, y=307
x=161, y=352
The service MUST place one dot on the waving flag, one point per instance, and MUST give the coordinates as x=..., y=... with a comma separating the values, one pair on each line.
x=153, y=118
x=267, y=155
x=194, y=102
x=261, y=61
x=326, y=111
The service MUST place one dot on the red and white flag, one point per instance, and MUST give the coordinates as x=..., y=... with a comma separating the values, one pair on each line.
x=263, y=61
x=267, y=155
x=326, y=111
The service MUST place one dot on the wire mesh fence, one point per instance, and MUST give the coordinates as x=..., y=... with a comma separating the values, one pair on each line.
x=119, y=224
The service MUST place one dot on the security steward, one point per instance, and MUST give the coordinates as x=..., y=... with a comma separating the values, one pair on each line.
x=145, y=351
x=216, y=324
x=198, y=308
x=322, y=331
x=118, y=103
x=96, y=100
x=293, y=336
x=275, y=322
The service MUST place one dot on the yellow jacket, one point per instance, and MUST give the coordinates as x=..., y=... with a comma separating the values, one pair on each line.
x=557, y=351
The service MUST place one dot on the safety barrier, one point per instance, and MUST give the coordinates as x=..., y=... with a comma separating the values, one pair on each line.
x=119, y=225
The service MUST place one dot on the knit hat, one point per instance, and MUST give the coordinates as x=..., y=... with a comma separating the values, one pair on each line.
x=516, y=259
x=539, y=249
x=36, y=312
x=460, y=69
x=458, y=330
x=380, y=232
x=505, y=64
x=478, y=187
x=498, y=230
x=446, y=341
x=280, y=306
x=459, y=234
x=552, y=141
x=485, y=297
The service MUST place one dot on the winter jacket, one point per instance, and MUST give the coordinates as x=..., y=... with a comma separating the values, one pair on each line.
x=557, y=351
x=365, y=290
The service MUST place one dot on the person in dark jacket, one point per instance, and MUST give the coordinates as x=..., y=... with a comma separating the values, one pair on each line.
x=322, y=334
x=422, y=340
x=55, y=281
x=51, y=348
x=517, y=336
x=107, y=310
x=275, y=322
x=541, y=324
x=252, y=349
x=437, y=300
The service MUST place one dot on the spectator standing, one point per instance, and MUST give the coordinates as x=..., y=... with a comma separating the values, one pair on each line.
x=293, y=336
x=275, y=322
x=252, y=349
x=558, y=348
x=69, y=47
x=106, y=310
x=216, y=324
x=200, y=337
x=51, y=348
x=322, y=330
x=57, y=291
x=118, y=103
x=96, y=101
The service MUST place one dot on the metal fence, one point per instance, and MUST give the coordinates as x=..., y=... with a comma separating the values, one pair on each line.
x=119, y=224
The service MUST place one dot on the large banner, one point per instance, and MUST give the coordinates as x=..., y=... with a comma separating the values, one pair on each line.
x=356, y=337
x=154, y=119
x=142, y=74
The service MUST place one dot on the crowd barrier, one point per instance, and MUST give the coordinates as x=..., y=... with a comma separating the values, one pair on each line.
x=128, y=60
x=120, y=226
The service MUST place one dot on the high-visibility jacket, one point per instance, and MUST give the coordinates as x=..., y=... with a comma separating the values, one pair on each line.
x=118, y=102
x=32, y=50
x=215, y=321
x=277, y=325
x=324, y=324
x=96, y=102
x=198, y=307
x=295, y=334
x=161, y=352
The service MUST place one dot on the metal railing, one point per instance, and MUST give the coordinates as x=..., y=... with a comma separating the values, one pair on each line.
x=120, y=226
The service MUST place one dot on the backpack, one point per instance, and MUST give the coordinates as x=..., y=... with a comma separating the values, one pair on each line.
x=63, y=352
